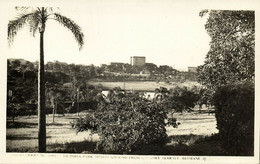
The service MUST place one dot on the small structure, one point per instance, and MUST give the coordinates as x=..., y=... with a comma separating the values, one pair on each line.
x=192, y=69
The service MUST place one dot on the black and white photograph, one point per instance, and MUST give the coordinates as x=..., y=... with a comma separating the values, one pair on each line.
x=133, y=81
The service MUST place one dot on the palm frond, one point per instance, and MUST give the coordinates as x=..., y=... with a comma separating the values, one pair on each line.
x=35, y=22
x=23, y=9
x=72, y=26
x=50, y=9
x=15, y=25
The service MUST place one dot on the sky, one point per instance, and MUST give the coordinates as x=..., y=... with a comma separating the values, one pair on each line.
x=166, y=32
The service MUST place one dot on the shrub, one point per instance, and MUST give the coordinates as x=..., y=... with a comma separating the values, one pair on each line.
x=235, y=118
x=13, y=110
x=173, y=122
x=125, y=123
x=182, y=99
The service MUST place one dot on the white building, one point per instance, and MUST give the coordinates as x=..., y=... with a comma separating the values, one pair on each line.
x=137, y=60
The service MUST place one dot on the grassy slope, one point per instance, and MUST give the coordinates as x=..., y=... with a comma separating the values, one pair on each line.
x=22, y=137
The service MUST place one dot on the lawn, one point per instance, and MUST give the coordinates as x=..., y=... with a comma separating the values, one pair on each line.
x=22, y=136
x=142, y=85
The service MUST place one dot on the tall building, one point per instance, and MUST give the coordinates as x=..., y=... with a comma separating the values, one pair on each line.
x=137, y=60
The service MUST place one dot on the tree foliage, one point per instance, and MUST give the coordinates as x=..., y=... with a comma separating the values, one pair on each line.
x=205, y=97
x=232, y=48
x=125, y=122
x=37, y=18
x=183, y=98
x=178, y=99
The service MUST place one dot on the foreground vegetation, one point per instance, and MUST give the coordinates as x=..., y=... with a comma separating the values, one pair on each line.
x=61, y=138
x=122, y=114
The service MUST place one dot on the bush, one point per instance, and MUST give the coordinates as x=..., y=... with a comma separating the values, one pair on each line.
x=173, y=122
x=18, y=109
x=125, y=123
x=183, y=99
x=235, y=118
x=13, y=110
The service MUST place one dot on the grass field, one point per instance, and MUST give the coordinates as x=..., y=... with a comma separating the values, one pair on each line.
x=143, y=85
x=22, y=136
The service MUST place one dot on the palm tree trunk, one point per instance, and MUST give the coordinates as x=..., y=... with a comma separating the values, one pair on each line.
x=41, y=100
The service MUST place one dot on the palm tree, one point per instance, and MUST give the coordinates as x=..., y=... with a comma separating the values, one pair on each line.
x=37, y=19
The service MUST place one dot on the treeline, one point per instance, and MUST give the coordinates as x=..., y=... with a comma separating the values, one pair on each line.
x=147, y=72
x=67, y=85
x=56, y=72
x=22, y=88
x=61, y=72
x=65, y=94
x=66, y=78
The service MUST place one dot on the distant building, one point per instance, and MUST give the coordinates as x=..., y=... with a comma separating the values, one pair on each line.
x=192, y=69
x=137, y=60
x=116, y=64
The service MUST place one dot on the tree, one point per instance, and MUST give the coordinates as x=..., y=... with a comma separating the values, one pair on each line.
x=77, y=96
x=151, y=67
x=14, y=105
x=161, y=93
x=232, y=48
x=9, y=68
x=37, y=19
x=125, y=123
x=165, y=69
x=23, y=68
x=16, y=63
x=30, y=66
x=55, y=96
x=182, y=98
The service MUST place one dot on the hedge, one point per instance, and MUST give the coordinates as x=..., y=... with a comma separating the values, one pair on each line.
x=235, y=118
